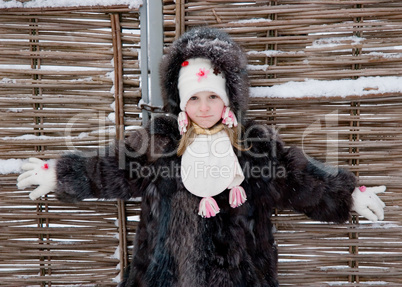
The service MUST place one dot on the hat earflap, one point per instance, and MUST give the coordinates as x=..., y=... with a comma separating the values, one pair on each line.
x=229, y=118
x=183, y=122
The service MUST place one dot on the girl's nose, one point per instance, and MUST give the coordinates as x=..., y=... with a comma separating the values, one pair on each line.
x=204, y=106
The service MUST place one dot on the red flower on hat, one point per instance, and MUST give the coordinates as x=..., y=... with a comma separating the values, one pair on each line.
x=185, y=63
x=202, y=74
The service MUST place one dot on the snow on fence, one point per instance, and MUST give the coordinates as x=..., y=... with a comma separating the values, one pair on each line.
x=70, y=79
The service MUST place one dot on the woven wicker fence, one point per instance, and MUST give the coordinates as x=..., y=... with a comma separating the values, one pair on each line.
x=69, y=79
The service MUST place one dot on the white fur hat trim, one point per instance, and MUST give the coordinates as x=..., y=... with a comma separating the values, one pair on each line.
x=198, y=75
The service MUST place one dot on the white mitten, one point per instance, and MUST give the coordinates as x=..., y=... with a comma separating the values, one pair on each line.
x=366, y=202
x=38, y=172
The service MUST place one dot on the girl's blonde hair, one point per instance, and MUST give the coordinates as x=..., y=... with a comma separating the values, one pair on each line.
x=188, y=137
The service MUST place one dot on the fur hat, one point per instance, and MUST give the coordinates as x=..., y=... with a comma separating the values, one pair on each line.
x=226, y=57
x=198, y=75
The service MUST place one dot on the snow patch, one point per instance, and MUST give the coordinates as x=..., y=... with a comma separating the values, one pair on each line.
x=112, y=117
x=8, y=166
x=257, y=67
x=273, y=53
x=386, y=55
x=334, y=88
x=253, y=20
x=337, y=41
x=116, y=254
x=8, y=81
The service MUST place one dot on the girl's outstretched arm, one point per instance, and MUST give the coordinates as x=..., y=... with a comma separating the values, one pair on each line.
x=322, y=192
x=74, y=177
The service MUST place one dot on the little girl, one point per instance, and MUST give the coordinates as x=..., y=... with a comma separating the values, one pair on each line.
x=205, y=220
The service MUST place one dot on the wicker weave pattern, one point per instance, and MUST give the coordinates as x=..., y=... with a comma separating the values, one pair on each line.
x=363, y=134
x=295, y=40
x=63, y=77
x=93, y=99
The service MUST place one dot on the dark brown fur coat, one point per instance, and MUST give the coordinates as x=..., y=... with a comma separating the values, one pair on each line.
x=174, y=246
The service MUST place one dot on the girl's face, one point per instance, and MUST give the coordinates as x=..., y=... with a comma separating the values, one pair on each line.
x=205, y=109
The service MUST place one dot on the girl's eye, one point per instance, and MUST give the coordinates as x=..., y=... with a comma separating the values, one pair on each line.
x=193, y=98
x=214, y=97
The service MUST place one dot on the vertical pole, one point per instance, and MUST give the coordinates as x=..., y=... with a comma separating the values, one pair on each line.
x=119, y=108
x=155, y=24
x=177, y=20
x=180, y=18
x=118, y=75
x=353, y=139
x=151, y=20
x=144, y=59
